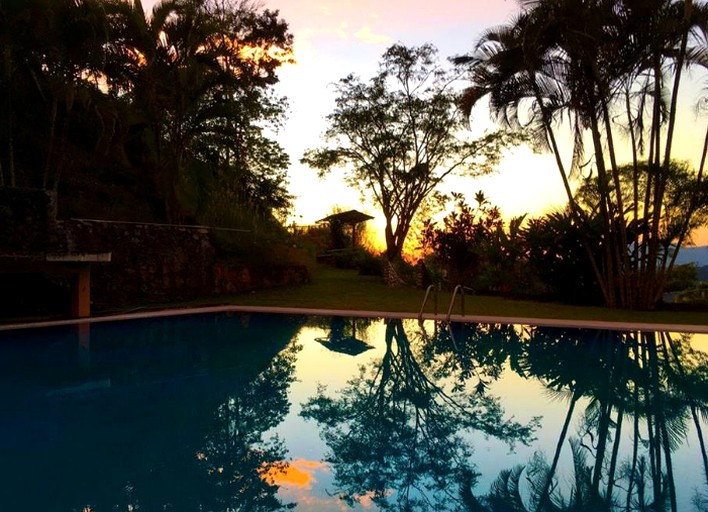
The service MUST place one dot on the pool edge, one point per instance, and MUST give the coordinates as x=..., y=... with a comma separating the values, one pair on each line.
x=550, y=322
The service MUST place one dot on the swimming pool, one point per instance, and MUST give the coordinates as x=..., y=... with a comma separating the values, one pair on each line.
x=245, y=411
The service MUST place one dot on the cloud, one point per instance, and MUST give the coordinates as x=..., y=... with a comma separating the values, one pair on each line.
x=367, y=35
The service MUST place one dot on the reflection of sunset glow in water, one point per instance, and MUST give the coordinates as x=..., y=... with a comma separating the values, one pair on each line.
x=298, y=473
x=202, y=457
x=367, y=500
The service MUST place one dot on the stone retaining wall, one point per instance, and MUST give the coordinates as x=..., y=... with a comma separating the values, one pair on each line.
x=153, y=262
x=149, y=261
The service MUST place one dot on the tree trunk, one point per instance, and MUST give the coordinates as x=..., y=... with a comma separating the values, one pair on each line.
x=559, y=446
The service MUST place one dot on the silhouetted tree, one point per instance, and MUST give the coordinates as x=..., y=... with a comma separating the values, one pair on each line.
x=401, y=136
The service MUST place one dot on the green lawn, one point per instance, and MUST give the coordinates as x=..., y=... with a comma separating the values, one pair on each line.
x=346, y=290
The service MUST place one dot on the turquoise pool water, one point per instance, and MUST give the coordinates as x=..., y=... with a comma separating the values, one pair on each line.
x=225, y=412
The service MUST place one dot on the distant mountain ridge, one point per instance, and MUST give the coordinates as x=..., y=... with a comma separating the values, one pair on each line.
x=697, y=255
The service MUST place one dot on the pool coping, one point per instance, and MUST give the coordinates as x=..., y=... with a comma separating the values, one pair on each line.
x=484, y=319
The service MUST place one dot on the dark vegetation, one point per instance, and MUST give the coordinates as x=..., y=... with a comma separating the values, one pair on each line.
x=152, y=117
x=145, y=116
x=524, y=258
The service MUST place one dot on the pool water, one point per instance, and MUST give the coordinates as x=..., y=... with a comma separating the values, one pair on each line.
x=225, y=412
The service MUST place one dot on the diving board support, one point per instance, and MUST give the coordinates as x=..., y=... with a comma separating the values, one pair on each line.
x=81, y=292
x=78, y=266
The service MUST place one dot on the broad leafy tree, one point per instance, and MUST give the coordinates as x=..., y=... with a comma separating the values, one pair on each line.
x=51, y=51
x=399, y=135
x=606, y=73
x=198, y=74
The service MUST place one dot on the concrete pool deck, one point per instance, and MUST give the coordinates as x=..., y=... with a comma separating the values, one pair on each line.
x=592, y=324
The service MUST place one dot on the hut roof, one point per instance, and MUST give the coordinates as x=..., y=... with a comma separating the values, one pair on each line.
x=350, y=217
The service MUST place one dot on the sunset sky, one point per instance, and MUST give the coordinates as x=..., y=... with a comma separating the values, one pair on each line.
x=334, y=39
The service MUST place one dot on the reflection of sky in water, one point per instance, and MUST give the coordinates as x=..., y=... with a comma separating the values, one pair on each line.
x=318, y=365
x=700, y=342
x=166, y=414
x=522, y=399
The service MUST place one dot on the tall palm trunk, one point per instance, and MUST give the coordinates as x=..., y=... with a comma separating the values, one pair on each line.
x=694, y=409
x=621, y=380
x=635, y=445
x=654, y=187
x=608, y=274
x=575, y=210
x=606, y=405
x=624, y=272
x=544, y=497
x=631, y=123
x=615, y=454
x=653, y=434
x=8, y=63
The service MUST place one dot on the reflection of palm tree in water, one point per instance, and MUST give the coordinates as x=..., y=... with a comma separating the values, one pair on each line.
x=658, y=380
x=395, y=435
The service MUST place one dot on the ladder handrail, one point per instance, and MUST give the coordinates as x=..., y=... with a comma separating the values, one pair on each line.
x=461, y=289
x=425, y=299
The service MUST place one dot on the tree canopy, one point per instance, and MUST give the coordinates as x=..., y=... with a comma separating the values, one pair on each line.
x=179, y=98
x=400, y=134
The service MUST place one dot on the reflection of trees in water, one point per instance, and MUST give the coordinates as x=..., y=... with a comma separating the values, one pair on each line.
x=476, y=353
x=395, y=435
x=237, y=461
x=171, y=416
x=654, y=384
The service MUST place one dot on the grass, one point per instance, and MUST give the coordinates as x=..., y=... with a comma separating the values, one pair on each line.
x=338, y=289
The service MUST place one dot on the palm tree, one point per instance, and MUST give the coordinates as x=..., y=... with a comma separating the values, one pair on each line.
x=52, y=53
x=198, y=73
x=573, y=64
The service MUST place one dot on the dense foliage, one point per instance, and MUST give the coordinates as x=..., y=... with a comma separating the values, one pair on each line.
x=475, y=249
x=171, y=107
x=525, y=257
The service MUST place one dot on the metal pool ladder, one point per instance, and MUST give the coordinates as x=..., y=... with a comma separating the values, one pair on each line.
x=425, y=299
x=459, y=288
